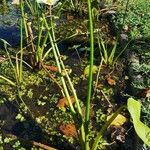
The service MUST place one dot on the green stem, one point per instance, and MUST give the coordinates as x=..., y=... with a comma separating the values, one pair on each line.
x=29, y=4
x=21, y=38
x=79, y=110
x=90, y=79
x=59, y=67
x=39, y=49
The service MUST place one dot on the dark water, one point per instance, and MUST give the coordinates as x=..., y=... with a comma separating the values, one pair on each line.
x=9, y=24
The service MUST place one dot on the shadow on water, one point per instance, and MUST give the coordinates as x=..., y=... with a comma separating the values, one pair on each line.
x=26, y=131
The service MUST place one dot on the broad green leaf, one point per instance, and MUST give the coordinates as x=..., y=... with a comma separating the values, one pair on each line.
x=141, y=129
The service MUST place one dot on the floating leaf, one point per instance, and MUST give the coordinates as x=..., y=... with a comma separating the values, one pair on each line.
x=86, y=70
x=141, y=129
x=64, y=103
x=68, y=130
x=118, y=121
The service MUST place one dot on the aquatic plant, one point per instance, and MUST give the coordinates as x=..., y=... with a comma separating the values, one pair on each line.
x=82, y=121
x=110, y=55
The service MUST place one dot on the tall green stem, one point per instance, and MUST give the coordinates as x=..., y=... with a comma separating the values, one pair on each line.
x=79, y=110
x=21, y=40
x=90, y=79
x=59, y=66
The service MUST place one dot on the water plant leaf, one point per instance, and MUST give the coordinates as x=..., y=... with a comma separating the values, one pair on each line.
x=118, y=121
x=5, y=43
x=142, y=130
x=86, y=70
x=69, y=130
x=9, y=81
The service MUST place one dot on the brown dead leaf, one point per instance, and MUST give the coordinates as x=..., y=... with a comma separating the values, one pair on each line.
x=144, y=93
x=64, y=103
x=111, y=81
x=51, y=68
x=68, y=130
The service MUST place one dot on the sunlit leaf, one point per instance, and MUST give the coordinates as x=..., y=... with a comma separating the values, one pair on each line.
x=48, y=2
x=86, y=70
x=16, y=2
x=141, y=129
x=118, y=121
x=9, y=81
x=5, y=43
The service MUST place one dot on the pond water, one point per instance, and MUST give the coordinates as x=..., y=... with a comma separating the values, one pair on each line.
x=9, y=24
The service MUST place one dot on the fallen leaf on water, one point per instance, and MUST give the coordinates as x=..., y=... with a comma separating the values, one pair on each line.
x=51, y=68
x=64, y=103
x=118, y=121
x=111, y=81
x=68, y=130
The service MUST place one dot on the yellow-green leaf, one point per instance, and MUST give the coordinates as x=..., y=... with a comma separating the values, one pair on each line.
x=142, y=130
x=86, y=70
x=118, y=121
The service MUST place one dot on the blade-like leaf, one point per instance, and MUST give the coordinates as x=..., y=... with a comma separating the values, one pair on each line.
x=141, y=129
x=9, y=81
